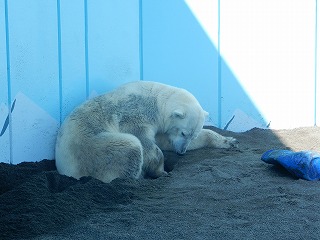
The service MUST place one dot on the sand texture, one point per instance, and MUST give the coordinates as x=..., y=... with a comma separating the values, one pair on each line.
x=209, y=194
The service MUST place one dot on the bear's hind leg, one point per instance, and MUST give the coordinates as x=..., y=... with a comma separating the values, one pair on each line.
x=153, y=160
x=116, y=155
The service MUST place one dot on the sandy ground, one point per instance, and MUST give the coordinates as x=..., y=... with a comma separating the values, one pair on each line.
x=209, y=194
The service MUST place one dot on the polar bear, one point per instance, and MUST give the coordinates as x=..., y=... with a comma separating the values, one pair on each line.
x=122, y=133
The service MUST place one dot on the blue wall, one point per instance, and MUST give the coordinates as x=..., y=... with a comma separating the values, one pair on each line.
x=54, y=54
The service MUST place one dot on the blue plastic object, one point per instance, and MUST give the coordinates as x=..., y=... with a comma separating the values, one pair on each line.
x=304, y=164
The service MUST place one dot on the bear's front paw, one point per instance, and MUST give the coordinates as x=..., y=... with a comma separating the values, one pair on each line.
x=225, y=142
x=214, y=139
x=231, y=142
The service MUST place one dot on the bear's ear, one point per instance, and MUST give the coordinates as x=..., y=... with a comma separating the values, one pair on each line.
x=179, y=113
x=206, y=114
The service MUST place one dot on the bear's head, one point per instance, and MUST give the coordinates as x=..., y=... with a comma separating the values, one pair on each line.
x=185, y=125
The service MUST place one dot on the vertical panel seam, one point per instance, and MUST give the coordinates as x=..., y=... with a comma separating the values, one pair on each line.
x=315, y=65
x=6, y=13
x=219, y=72
x=140, y=39
x=59, y=60
x=86, y=46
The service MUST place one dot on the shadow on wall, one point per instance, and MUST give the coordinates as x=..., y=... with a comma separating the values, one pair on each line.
x=178, y=51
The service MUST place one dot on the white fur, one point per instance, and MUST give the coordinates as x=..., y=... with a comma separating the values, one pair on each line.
x=122, y=133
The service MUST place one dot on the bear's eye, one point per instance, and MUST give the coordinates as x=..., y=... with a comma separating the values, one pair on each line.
x=183, y=134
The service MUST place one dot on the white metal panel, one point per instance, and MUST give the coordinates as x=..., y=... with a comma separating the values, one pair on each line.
x=179, y=49
x=269, y=45
x=113, y=43
x=4, y=106
x=34, y=52
x=34, y=78
x=73, y=64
